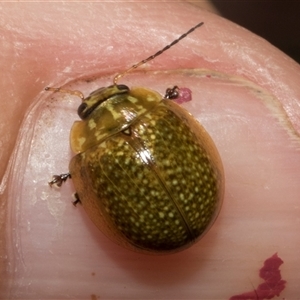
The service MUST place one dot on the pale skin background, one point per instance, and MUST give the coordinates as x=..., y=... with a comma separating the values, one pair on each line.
x=246, y=93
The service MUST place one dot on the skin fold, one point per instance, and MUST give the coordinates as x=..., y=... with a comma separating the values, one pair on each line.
x=246, y=93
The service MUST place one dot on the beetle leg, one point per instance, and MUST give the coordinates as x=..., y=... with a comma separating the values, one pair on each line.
x=172, y=93
x=77, y=200
x=58, y=180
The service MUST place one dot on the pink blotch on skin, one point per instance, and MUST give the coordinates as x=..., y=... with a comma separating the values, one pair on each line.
x=273, y=284
x=185, y=95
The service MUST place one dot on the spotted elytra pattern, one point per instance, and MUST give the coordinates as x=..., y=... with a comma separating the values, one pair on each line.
x=154, y=182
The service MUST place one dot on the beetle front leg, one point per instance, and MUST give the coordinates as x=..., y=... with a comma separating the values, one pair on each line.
x=58, y=180
x=172, y=93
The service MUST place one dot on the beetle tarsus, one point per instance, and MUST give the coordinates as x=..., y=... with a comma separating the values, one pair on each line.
x=57, y=180
x=77, y=200
x=172, y=93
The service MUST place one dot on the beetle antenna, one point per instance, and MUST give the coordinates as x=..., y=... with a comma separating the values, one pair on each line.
x=118, y=76
x=60, y=90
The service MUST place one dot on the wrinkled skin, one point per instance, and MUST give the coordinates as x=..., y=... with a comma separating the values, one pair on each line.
x=248, y=100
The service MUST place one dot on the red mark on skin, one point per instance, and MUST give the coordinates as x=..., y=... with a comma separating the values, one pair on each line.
x=185, y=95
x=273, y=284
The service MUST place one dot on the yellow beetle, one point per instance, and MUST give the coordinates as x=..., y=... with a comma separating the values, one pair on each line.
x=146, y=172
